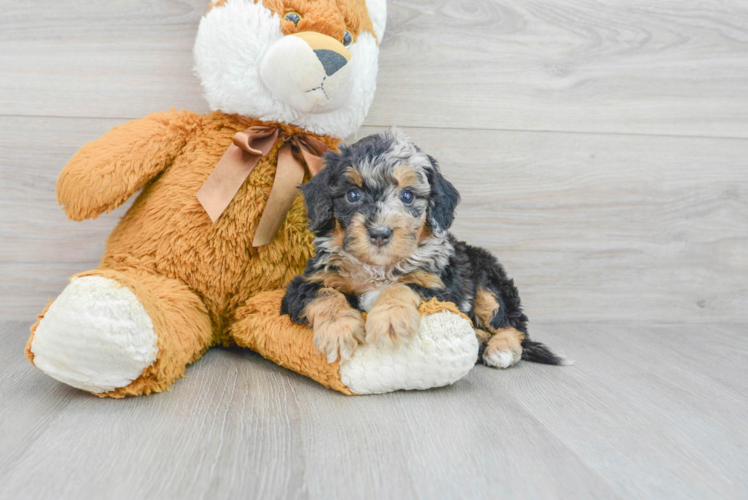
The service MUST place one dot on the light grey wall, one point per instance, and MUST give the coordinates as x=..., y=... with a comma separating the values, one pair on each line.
x=601, y=148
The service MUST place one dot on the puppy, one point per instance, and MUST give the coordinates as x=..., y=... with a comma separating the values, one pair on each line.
x=380, y=211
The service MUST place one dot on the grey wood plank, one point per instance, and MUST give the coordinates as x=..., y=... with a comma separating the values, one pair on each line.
x=617, y=66
x=34, y=226
x=29, y=400
x=39, y=247
x=625, y=66
x=625, y=422
x=592, y=227
x=643, y=408
x=26, y=288
x=103, y=59
x=240, y=425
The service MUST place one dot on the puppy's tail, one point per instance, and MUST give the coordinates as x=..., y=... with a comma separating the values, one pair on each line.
x=540, y=353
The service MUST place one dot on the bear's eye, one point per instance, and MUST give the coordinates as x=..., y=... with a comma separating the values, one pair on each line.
x=353, y=196
x=293, y=17
x=347, y=38
x=407, y=197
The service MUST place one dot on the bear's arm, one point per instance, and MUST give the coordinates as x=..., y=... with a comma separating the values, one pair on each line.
x=104, y=173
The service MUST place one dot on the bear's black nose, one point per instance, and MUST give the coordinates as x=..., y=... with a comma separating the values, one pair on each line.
x=331, y=60
x=380, y=236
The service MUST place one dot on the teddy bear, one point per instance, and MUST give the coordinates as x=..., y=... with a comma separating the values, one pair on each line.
x=219, y=228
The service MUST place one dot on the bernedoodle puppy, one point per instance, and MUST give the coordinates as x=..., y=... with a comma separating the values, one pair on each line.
x=380, y=211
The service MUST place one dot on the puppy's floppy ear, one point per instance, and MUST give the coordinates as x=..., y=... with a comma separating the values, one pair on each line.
x=444, y=199
x=318, y=196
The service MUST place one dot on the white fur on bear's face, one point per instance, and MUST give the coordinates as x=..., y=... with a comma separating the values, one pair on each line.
x=294, y=74
x=232, y=43
x=378, y=15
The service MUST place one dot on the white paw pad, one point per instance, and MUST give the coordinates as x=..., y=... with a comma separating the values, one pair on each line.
x=96, y=336
x=500, y=358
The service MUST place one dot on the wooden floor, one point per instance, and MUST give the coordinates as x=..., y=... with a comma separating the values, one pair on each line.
x=647, y=412
x=601, y=149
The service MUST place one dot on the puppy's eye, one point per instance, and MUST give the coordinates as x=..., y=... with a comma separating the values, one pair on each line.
x=347, y=38
x=407, y=197
x=353, y=196
x=293, y=17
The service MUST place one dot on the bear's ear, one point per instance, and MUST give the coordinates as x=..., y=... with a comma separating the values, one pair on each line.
x=318, y=196
x=378, y=15
x=444, y=199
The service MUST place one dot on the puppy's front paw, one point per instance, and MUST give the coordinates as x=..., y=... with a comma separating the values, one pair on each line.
x=391, y=323
x=504, y=349
x=341, y=334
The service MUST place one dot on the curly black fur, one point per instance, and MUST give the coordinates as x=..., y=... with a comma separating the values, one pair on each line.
x=472, y=268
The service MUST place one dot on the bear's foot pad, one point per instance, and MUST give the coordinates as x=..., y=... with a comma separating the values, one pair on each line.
x=443, y=352
x=96, y=336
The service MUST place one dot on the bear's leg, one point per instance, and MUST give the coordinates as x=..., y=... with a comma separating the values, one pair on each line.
x=120, y=333
x=442, y=351
x=260, y=327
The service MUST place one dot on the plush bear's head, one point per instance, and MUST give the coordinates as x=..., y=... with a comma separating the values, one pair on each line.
x=311, y=63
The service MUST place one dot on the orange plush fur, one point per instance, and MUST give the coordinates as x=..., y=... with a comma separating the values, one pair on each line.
x=329, y=17
x=201, y=283
x=190, y=274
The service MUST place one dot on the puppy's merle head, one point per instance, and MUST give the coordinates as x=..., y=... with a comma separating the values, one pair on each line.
x=379, y=198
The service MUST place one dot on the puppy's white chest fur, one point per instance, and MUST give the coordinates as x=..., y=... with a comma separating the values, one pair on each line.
x=367, y=299
x=369, y=281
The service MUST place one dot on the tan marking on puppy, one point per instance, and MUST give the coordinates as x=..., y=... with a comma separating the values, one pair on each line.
x=394, y=317
x=338, y=235
x=504, y=348
x=344, y=270
x=424, y=232
x=349, y=278
x=421, y=278
x=354, y=176
x=338, y=328
x=332, y=279
x=337, y=240
x=361, y=279
x=357, y=239
x=405, y=176
x=483, y=336
x=485, y=307
x=403, y=243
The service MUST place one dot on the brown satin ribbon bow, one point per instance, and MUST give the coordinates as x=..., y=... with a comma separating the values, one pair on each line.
x=239, y=160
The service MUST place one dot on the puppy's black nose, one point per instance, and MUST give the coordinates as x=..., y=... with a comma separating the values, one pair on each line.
x=380, y=236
